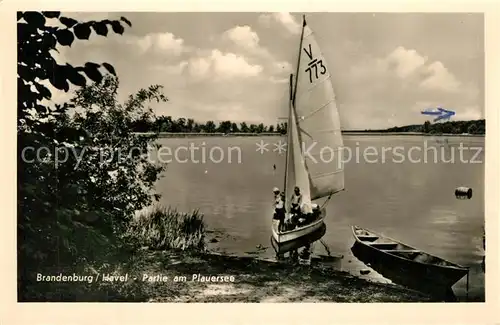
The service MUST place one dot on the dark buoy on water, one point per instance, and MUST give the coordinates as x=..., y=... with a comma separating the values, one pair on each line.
x=463, y=192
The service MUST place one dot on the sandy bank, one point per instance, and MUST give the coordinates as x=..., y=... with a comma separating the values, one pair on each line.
x=257, y=281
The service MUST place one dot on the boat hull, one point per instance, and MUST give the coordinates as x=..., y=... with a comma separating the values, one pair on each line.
x=421, y=276
x=299, y=232
x=284, y=247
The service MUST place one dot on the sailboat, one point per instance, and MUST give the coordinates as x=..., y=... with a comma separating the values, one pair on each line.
x=314, y=139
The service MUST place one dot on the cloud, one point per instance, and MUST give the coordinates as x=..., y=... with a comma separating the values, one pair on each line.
x=244, y=39
x=243, y=36
x=406, y=61
x=226, y=77
x=434, y=75
x=248, y=42
x=243, y=58
x=170, y=69
x=409, y=68
x=283, y=18
x=440, y=78
x=288, y=22
x=199, y=67
x=393, y=89
x=166, y=43
x=215, y=65
x=227, y=65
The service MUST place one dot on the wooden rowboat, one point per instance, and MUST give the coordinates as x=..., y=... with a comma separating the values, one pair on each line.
x=404, y=264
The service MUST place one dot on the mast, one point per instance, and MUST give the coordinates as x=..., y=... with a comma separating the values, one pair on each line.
x=298, y=59
x=293, y=109
x=288, y=125
x=291, y=105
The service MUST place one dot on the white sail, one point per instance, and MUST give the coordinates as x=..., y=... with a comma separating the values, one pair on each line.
x=318, y=120
x=314, y=143
x=296, y=172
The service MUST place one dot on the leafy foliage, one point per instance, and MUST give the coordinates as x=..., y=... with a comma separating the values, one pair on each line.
x=86, y=192
x=36, y=38
x=76, y=194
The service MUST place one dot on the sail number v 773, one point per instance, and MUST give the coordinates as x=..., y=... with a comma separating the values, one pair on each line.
x=313, y=64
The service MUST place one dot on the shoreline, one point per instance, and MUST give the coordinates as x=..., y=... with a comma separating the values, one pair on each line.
x=261, y=280
x=347, y=133
x=244, y=279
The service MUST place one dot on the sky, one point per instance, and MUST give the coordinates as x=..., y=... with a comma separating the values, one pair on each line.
x=386, y=67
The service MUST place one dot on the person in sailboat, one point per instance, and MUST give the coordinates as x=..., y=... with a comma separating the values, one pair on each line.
x=279, y=208
x=296, y=202
x=276, y=193
x=310, y=213
x=280, y=212
x=277, y=199
x=306, y=214
x=315, y=211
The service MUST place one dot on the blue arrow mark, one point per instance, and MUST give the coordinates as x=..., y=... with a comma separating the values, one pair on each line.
x=440, y=113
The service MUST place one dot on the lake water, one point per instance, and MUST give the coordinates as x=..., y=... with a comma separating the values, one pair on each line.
x=411, y=200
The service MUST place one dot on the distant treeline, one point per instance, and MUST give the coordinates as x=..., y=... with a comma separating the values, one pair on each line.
x=182, y=125
x=451, y=127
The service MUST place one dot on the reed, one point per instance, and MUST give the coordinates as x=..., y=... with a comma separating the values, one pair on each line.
x=161, y=228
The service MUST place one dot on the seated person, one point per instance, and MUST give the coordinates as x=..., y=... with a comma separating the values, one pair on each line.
x=289, y=224
x=296, y=201
x=305, y=214
x=315, y=211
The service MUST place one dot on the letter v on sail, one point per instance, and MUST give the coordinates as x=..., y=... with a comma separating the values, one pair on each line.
x=313, y=161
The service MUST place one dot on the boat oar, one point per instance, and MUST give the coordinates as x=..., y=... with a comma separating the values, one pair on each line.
x=326, y=247
x=467, y=286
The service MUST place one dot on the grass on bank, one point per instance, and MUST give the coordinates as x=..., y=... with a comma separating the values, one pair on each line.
x=160, y=228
